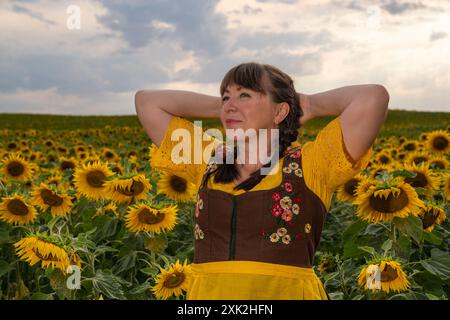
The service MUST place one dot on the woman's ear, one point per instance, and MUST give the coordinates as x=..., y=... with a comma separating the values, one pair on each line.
x=282, y=112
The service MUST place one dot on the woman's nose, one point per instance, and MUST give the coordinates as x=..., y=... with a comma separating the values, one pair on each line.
x=230, y=105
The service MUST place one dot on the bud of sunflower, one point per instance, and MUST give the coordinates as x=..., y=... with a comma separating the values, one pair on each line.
x=156, y=245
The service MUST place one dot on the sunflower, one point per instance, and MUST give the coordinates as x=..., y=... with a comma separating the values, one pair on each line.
x=15, y=210
x=417, y=157
x=109, y=208
x=439, y=163
x=172, y=281
x=439, y=142
x=326, y=263
x=378, y=168
x=15, y=167
x=409, y=145
x=46, y=197
x=55, y=179
x=151, y=150
x=384, y=158
x=176, y=187
x=143, y=217
x=346, y=191
x=34, y=249
x=431, y=215
x=446, y=180
x=90, y=179
x=124, y=189
x=386, y=200
x=68, y=163
x=425, y=178
x=391, y=276
x=110, y=155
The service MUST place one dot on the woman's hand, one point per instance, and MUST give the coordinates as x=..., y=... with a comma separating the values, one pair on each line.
x=305, y=105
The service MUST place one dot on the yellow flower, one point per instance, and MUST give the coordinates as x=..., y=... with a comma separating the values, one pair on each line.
x=33, y=250
x=172, y=281
x=397, y=200
x=45, y=197
x=425, y=178
x=123, y=190
x=438, y=142
x=90, y=179
x=15, y=210
x=431, y=215
x=391, y=277
x=15, y=167
x=347, y=191
x=143, y=217
x=176, y=187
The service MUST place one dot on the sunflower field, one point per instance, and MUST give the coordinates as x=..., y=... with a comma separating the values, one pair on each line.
x=84, y=216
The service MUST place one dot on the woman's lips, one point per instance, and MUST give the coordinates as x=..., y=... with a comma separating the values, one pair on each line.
x=232, y=121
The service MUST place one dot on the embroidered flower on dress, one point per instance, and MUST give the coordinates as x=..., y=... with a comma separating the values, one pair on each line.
x=299, y=172
x=282, y=231
x=307, y=228
x=277, y=210
x=198, y=233
x=196, y=211
x=293, y=165
x=288, y=186
x=295, y=154
x=287, y=215
x=286, y=202
x=295, y=209
x=274, y=237
x=286, y=239
x=200, y=204
x=287, y=170
x=276, y=196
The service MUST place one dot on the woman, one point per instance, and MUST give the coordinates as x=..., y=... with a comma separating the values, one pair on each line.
x=256, y=234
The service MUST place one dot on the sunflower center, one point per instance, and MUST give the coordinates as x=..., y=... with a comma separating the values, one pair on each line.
x=419, y=160
x=350, y=186
x=174, y=280
x=50, y=198
x=48, y=257
x=178, y=184
x=410, y=147
x=15, y=168
x=136, y=188
x=17, y=207
x=390, y=204
x=147, y=217
x=384, y=160
x=429, y=218
x=438, y=164
x=418, y=181
x=67, y=165
x=388, y=274
x=96, y=178
x=440, y=143
x=109, y=155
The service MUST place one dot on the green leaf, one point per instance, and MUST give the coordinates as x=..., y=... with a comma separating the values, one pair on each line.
x=5, y=267
x=109, y=284
x=433, y=237
x=386, y=246
x=353, y=230
x=4, y=233
x=374, y=229
x=140, y=288
x=411, y=226
x=369, y=250
x=404, y=173
x=439, y=264
x=402, y=246
x=41, y=296
x=125, y=263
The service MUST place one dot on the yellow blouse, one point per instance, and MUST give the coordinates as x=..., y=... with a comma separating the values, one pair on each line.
x=326, y=165
x=325, y=161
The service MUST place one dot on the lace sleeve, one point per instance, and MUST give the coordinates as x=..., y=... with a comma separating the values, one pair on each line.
x=171, y=157
x=328, y=163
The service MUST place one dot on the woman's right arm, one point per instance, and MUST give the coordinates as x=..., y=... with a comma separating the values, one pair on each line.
x=156, y=108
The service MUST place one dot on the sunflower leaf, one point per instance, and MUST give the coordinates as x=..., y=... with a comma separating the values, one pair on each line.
x=411, y=226
x=439, y=264
x=404, y=173
x=369, y=250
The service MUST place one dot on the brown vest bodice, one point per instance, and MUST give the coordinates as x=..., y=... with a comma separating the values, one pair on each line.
x=282, y=225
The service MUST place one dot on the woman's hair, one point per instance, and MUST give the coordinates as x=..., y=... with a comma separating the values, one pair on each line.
x=268, y=80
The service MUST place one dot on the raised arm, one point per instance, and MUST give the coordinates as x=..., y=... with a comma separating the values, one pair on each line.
x=155, y=109
x=362, y=110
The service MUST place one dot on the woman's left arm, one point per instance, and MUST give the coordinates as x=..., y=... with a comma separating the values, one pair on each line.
x=362, y=110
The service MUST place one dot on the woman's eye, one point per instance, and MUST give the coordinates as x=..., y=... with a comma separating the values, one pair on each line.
x=246, y=94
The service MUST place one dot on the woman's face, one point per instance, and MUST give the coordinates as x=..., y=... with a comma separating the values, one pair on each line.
x=244, y=108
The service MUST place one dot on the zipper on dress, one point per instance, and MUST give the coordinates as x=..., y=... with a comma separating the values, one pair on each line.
x=232, y=250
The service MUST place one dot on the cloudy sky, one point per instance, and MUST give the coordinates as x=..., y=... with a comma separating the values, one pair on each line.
x=48, y=65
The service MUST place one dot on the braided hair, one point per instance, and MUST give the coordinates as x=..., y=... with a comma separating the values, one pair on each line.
x=266, y=79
